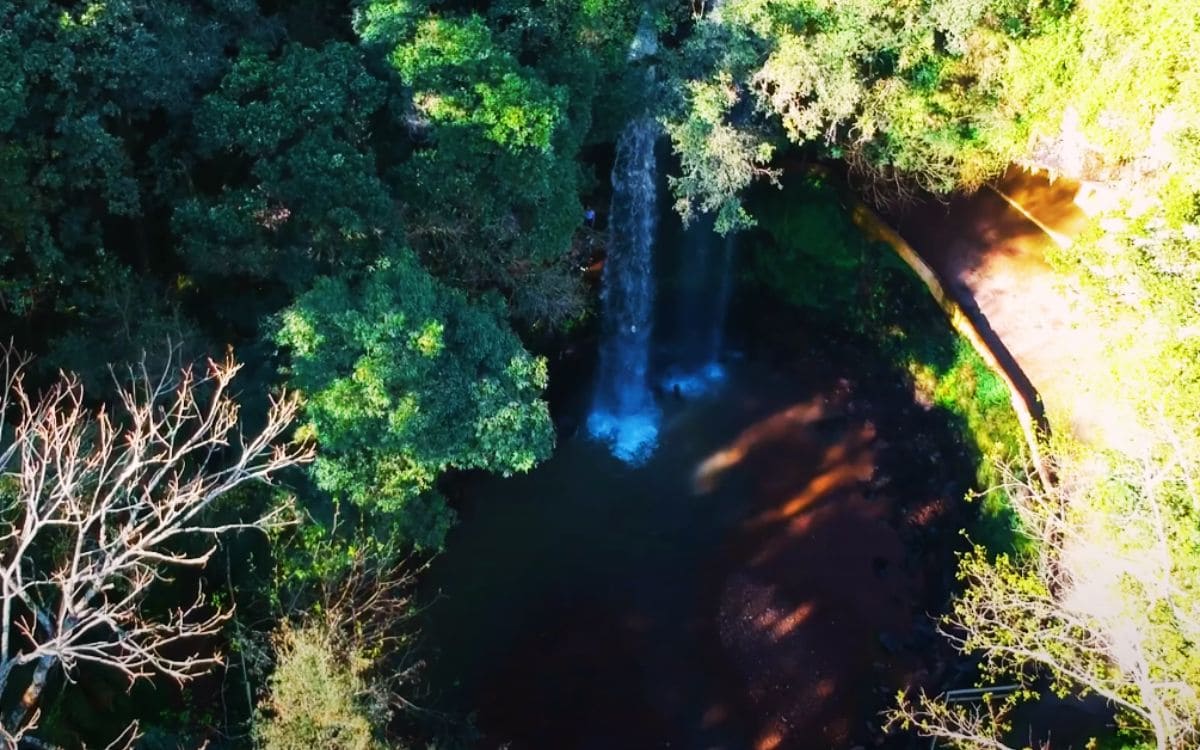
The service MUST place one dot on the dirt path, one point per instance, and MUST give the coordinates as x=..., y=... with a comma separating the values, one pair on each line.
x=990, y=251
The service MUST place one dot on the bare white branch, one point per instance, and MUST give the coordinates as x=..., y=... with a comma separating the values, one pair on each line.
x=94, y=508
x=1108, y=604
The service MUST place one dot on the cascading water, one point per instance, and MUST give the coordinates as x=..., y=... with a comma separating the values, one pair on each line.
x=701, y=297
x=623, y=412
x=716, y=335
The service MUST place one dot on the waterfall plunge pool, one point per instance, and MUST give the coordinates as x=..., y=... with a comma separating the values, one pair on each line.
x=763, y=580
x=734, y=552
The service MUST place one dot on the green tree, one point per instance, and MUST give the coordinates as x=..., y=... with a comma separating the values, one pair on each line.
x=299, y=192
x=718, y=160
x=492, y=190
x=91, y=114
x=319, y=697
x=910, y=93
x=405, y=379
x=1107, y=605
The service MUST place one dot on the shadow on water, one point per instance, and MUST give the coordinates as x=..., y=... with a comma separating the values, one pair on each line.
x=763, y=581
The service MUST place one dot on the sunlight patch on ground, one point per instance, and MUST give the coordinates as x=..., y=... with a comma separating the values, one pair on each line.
x=823, y=484
x=769, y=741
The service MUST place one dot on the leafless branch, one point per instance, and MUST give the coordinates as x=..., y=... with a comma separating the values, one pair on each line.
x=95, y=508
x=1105, y=602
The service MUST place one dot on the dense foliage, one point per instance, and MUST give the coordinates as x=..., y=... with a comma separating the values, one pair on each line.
x=318, y=696
x=378, y=205
x=908, y=92
x=933, y=95
x=406, y=379
x=369, y=201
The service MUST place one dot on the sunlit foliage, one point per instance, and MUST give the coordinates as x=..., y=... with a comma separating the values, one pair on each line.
x=1106, y=603
x=405, y=379
x=319, y=696
x=911, y=93
x=717, y=160
x=1106, y=606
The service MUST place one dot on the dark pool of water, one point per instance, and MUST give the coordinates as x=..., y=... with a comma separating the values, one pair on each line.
x=761, y=582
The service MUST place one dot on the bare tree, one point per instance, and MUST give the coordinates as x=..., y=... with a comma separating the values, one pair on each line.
x=371, y=607
x=1107, y=605
x=11, y=740
x=97, y=507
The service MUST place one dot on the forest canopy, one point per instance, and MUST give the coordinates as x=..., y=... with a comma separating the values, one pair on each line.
x=378, y=206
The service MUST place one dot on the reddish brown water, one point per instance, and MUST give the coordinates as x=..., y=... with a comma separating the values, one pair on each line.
x=759, y=583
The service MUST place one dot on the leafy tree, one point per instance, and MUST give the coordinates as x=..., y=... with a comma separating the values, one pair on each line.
x=1123, y=73
x=404, y=379
x=461, y=78
x=300, y=191
x=484, y=219
x=319, y=696
x=493, y=188
x=90, y=76
x=909, y=93
x=181, y=170
x=1142, y=278
x=718, y=161
x=1107, y=606
x=94, y=99
x=345, y=650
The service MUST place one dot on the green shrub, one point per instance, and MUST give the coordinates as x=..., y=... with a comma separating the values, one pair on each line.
x=319, y=697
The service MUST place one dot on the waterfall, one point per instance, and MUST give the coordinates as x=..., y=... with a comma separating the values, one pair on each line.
x=701, y=299
x=721, y=306
x=645, y=40
x=623, y=411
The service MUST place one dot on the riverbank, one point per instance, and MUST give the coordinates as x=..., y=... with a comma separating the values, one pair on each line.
x=814, y=257
x=991, y=251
